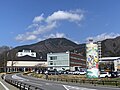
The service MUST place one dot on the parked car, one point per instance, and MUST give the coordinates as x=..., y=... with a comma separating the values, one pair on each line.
x=118, y=74
x=82, y=72
x=105, y=74
x=79, y=72
x=114, y=74
x=71, y=72
x=3, y=76
x=76, y=72
x=53, y=72
x=62, y=72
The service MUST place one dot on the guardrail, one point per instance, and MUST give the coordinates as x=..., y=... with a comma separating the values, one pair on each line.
x=22, y=85
x=93, y=82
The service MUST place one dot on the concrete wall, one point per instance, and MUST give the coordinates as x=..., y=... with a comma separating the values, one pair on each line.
x=58, y=60
x=26, y=52
x=26, y=63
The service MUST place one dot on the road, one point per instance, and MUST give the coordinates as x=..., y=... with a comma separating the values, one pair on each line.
x=54, y=85
x=6, y=86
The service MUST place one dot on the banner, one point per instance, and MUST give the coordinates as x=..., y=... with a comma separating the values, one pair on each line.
x=92, y=60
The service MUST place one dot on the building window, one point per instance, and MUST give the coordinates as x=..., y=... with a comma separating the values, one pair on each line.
x=32, y=54
x=51, y=63
x=53, y=58
x=20, y=53
x=27, y=51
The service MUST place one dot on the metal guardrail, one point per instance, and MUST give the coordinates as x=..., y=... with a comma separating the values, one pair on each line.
x=94, y=82
x=22, y=85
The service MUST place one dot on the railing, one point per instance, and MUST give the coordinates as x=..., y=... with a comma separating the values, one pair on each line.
x=93, y=82
x=22, y=85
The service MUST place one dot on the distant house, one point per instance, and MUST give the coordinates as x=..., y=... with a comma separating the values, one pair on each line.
x=26, y=60
x=109, y=64
x=28, y=52
x=66, y=61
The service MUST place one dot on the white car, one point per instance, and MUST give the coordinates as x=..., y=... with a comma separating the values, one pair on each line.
x=105, y=74
x=79, y=72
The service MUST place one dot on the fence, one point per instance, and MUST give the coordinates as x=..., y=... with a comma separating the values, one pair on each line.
x=22, y=85
x=93, y=82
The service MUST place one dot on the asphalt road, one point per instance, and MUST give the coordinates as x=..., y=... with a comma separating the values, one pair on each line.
x=54, y=85
x=6, y=86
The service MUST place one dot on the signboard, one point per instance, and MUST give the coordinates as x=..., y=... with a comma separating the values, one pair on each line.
x=92, y=60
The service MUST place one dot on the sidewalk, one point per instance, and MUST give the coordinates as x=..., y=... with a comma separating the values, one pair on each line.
x=5, y=86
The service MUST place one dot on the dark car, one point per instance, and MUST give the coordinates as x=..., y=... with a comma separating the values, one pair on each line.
x=3, y=76
x=63, y=72
x=114, y=74
x=52, y=72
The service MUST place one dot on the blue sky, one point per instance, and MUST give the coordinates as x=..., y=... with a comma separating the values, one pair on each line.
x=29, y=21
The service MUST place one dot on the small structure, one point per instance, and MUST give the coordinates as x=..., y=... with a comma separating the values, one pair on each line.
x=28, y=52
x=92, y=59
x=109, y=64
x=66, y=61
x=26, y=60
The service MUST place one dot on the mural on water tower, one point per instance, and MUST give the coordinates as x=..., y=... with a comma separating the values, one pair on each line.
x=92, y=60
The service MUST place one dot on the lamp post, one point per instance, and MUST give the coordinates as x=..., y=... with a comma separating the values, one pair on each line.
x=4, y=63
x=12, y=62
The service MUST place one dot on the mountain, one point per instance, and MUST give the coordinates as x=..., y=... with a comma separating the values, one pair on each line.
x=4, y=48
x=50, y=45
x=111, y=47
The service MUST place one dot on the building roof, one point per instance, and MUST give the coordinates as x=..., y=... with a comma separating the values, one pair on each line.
x=109, y=58
x=28, y=58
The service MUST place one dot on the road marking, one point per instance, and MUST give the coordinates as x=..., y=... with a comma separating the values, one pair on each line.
x=76, y=88
x=4, y=86
x=48, y=84
x=35, y=83
x=19, y=78
x=65, y=87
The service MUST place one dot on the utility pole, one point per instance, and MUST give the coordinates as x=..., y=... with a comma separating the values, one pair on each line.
x=12, y=62
x=5, y=61
x=99, y=50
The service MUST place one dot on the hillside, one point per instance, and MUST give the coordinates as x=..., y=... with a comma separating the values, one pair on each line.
x=47, y=46
x=110, y=48
x=4, y=48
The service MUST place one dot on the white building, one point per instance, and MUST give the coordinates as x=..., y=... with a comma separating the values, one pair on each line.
x=65, y=61
x=26, y=60
x=23, y=52
x=114, y=60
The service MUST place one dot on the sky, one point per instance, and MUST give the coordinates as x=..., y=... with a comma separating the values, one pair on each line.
x=24, y=22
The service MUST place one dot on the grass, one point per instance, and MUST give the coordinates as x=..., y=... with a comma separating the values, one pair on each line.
x=80, y=79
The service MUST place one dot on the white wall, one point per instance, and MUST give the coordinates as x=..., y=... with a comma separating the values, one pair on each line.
x=61, y=60
x=26, y=63
x=26, y=52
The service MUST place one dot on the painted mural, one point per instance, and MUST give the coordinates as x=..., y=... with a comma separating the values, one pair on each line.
x=92, y=60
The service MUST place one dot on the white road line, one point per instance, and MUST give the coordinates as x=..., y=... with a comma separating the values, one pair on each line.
x=76, y=88
x=65, y=87
x=48, y=84
x=4, y=86
x=35, y=83
x=19, y=78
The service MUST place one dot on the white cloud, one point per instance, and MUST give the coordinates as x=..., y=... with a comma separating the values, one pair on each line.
x=34, y=25
x=57, y=35
x=42, y=25
x=44, y=28
x=64, y=15
x=104, y=36
x=38, y=19
x=22, y=37
x=31, y=37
